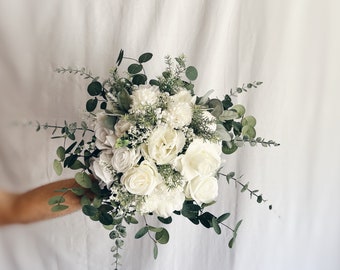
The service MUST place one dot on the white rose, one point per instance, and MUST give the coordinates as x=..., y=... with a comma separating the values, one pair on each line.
x=164, y=144
x=144, y=95
x=202, y=158
x=124, y=158
x=105, y=138
x=121, y=127
x=142, y=179
x=163, y=201
x=102, y=169
x=202, y=189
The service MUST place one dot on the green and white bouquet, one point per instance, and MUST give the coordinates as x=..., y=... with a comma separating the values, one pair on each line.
x=152, y=147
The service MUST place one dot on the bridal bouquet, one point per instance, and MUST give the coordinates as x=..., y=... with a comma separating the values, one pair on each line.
x=152, y=147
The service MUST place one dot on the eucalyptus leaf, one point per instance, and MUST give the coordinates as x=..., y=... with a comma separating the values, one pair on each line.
x=155, y=251
x=215, y=225
x=139, y=79
x=228, y=115
x=135, y=68
x=145, y=57
x=58, y=168
x=191, y=73
x=89, y=210
x=240, y=109
x=61, y=153
x=77, y=165
x=91, y=104
x=223, y=217
x=162, y=237
x=141, y=232
x=222, y=133
x=59, y=207
x=249, y=121
x=83, y=179
x=167, y=220
x=105, y=218
x=94, y=88
x=249, y=131
x=84, y=200
x=228, y=147
x=56, y=200
x=217, y=107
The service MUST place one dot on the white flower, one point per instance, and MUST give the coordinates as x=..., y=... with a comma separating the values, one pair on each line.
x=163, y=201
x=144, y=95
x=202, y=158
x=183, y=96
x=209, y=117
x=121, y=127
x=124, y=158
x=178, y=115
x=102, y=169
x=179, y=111
x=202, y=189
x=164, y=144
x=142, y=179
x=105, y=137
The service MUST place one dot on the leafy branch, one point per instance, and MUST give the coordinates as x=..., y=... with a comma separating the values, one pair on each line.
x=244, y=88
x=161, y=234
x=245, y=187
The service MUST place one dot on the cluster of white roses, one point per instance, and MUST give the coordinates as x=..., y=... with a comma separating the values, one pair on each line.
x=167, y=141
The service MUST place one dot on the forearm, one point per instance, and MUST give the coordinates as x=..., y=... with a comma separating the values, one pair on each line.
x=33, y=205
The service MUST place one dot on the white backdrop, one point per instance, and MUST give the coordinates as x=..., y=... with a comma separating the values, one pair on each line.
x=292, y=46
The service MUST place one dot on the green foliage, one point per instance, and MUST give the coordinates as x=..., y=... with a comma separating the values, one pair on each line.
x=94, y=88
x=191, y=73
x=83, y=179
x=57, y=167
x=145, y=57
x=91, y=104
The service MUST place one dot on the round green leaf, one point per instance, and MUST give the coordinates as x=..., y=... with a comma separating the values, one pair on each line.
x=135, y=68
x=139, y=79
x=162, y=237
x=57, y=167
x=94, y=88
x=61, y=153
x=91, y=104
x=89, y=210
x=105, y=218
x=249, y=131
x=240, y=109
x=191, y=73
x=228, y=147
x=144, y=57
x=249, y=121
x=83, y=179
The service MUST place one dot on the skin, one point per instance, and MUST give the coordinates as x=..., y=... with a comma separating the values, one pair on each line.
x=32, y=205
